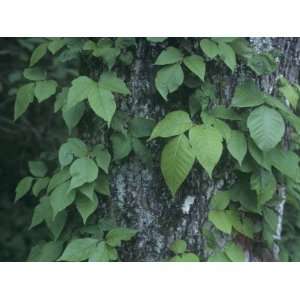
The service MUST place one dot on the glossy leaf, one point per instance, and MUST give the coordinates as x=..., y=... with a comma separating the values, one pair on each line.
x=237, y=145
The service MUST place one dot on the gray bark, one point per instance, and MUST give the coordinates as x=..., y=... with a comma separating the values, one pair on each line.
x=140, y=197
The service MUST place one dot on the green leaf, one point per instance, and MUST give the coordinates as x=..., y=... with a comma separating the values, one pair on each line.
x=141, y=127
x=73, y=115
x=222, y=112
x=266, y=127
x=55, y=45
x=47, y=252
x=102, y=185
x=102, y=253
x=237, y=145
x=35, y=74
x=262, y=64
x=220, y=200
x=177, y=160
x=156, y=39
x=61, y=198
x=79, y=90
x=115, y=236
x=289, y=92
x=174, y=123
x=141, y=151
x=45, y=89
x=25, y=96
x=234, y=252
x=209, y=47
x=57, y=225
x=61, y=99
x=286, y=162
x=221, y=220
x=168, y=79
x=260, y=157
x=169, y=56
x=79, y=250
x=83, y=170
x=38, y=53
x=40, y=185
x=207, y=146
x=37, y=168
x=121, y=145
x=247, y=95
x=218, y=257
x=109, y=81
x=67, y=151
x=103, y=157
x=23, y=187
x=88, y=190
x=185, y=257
x=196, y=64
x=58, y=179
x=264, y=183
x=102, y=103
x=178, y=246
x=227, y=54
x=86, y=206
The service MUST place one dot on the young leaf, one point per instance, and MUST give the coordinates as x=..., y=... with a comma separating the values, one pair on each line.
x=109, y=81
x=37, y=168
x=38, y=53
x=79, y=90
x=177, y=160
x=79, y=250
x=227, y=54
x=174, y=123
x=266, y=127
x=101, y=253
x=168, y=79
x=61, y=198
x=86, y=206
x=247, y=95
x=209, y=47
x=178, y=246
x=196, y=64
x=25, y=96
x=45, y=89
x=58, y=178
x=221, y=220
x=23, y=187
x=83, y=170
x=237, y=145
x=115, y=236
x=169, y=56
x=102, y=103
x=207, y=146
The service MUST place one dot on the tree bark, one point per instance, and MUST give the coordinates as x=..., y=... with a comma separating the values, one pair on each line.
x=140, y=197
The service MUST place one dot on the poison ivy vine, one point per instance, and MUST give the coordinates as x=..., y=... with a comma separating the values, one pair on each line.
x=249, y=131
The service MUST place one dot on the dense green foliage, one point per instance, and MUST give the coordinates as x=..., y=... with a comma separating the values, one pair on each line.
x=202, y=131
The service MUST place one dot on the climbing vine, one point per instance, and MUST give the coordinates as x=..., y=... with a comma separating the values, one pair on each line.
x=253, y=138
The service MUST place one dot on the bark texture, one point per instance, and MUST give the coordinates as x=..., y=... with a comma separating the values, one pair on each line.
x=140, y=197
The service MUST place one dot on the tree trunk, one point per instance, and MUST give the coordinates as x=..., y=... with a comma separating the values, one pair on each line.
x=140, y=197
